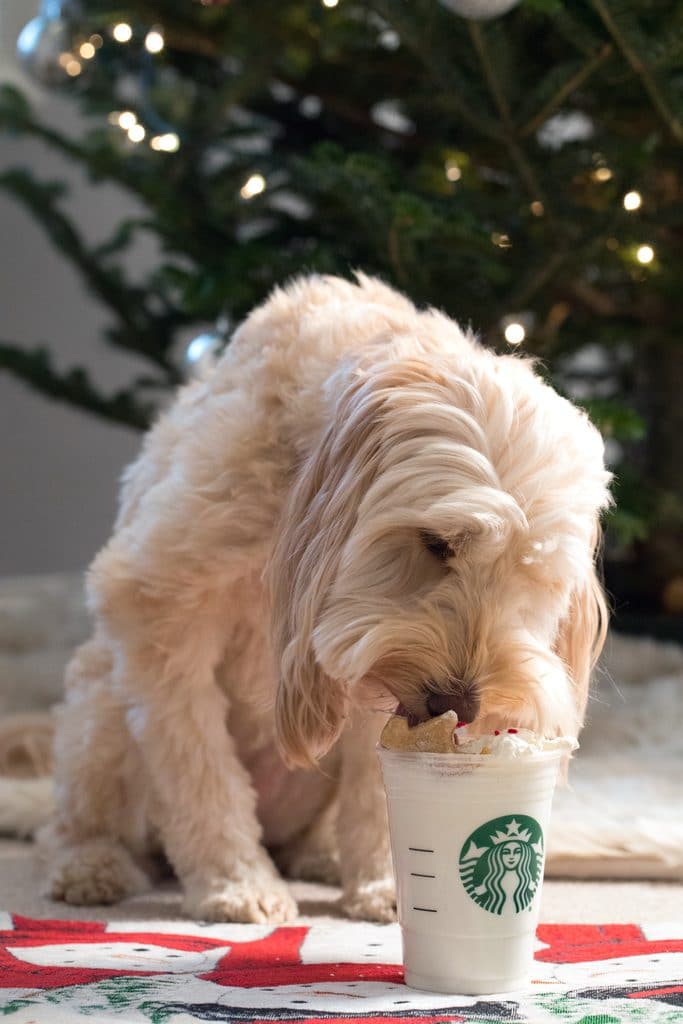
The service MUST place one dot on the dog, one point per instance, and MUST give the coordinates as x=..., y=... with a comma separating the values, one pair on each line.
x=358, y=507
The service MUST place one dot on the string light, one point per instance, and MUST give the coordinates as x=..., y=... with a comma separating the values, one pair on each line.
x=97, y=40
x=453, y=172
x=330, y=3
x=126, y=120
x=87, y=51
x=632, y=200
x=612, y=244
x=73, y=67
x=602, y=174
x=154, y=41
x=516, y=327
x=501, y=240
x=537, y=208
x=253, y=186
x=645, y=254
x=167, y=143
x=136, y=133
x=515, y=333
x=122, y=32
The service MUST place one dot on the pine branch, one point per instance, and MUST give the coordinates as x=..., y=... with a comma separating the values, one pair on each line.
x=570, y=86
x=452, y=86
x=35, y=368
x=641, y=69
x=180, y=35
x=104, y=162
x=577, y=30
x=138, y=333
x=518, y=155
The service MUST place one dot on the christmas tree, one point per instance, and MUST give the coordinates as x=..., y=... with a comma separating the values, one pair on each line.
x=518, y=166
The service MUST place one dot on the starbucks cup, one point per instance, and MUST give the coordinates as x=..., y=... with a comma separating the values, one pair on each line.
x=468, y=845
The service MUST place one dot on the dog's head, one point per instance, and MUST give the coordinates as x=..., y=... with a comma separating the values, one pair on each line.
x=439, y=546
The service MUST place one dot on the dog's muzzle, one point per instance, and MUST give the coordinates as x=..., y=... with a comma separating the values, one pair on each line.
x=464, y=700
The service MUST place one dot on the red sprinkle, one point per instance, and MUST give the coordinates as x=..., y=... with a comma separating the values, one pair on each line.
x=460, y=725
x=497, y=732
x=513, y=730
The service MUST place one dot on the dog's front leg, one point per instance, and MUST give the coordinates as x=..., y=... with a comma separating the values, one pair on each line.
x=207, y=812
x=363, y=831
x=204, y=805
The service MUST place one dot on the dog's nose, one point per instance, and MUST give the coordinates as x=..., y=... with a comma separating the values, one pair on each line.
x=464, y=700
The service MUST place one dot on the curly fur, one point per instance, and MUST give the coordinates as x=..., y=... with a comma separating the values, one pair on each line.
x=267, y=592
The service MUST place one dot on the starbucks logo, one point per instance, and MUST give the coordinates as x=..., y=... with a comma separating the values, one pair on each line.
x=501, y=863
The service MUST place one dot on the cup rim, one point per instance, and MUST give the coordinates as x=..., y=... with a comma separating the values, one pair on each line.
x=426, y=756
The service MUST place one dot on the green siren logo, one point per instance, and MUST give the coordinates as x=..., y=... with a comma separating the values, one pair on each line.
x=501, y=863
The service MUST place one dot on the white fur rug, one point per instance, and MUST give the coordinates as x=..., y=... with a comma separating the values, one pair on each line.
x=620, y=817
x=622, y=814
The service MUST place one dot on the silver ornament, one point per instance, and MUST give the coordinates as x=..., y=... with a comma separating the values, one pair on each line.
x=480, y=10
x=203, y=351
x=44, y=46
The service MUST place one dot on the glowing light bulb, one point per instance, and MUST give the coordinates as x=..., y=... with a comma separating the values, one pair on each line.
x=602, y=174
x=453, y=172
x=87, y=51
x=154, y=41
x=645, y=254
x=122, y=32
x=136, y=133
x=73, y=68
x=253, y=186
x=330, y=3
x=126, y=120
x=632, y=200
x=515, y=334
x=537, y=208
x=167, y=143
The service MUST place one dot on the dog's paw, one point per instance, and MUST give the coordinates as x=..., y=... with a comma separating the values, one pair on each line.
x=94, y=872
x=250, y=901
x=374, y=901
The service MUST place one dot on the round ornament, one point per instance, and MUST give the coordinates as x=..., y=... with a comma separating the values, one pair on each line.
x=480, y=10
x=44, y=44
x=203, y=351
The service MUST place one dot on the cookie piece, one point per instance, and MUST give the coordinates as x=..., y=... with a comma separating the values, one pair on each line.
x=436, y=735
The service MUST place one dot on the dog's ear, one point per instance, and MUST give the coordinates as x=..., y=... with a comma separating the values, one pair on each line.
x=315, y=524
x=583, y=631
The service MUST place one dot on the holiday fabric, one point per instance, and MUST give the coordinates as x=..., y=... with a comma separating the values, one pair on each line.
x=58, y=972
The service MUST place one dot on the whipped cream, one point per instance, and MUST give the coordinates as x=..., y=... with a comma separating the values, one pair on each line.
x=445, y=735
x=510, y=743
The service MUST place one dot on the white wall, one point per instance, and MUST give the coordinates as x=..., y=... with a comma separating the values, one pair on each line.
x=59, y=468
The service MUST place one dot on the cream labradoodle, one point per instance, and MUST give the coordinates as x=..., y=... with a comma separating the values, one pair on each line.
x=359, y=506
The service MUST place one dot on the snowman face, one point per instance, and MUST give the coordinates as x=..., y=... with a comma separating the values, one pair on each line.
x=642, y=971
x=123, y=956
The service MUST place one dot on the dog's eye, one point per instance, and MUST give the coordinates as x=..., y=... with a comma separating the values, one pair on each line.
x=437, y=546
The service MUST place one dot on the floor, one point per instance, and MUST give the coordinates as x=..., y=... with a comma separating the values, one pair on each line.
x=577, y=901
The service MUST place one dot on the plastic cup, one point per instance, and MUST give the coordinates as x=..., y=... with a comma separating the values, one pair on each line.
x=468, y=846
